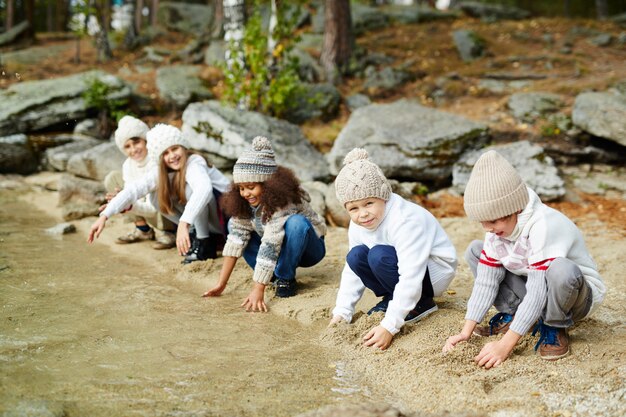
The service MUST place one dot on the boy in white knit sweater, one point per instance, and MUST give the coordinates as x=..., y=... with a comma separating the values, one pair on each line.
x=533, y=266
x=397, y=249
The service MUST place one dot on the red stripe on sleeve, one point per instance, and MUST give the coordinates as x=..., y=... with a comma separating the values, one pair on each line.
x=541, y=265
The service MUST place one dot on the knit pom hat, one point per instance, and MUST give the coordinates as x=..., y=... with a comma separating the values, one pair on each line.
x=256, y=164
x=127, y=128
x=161, y=137
x=494, y=190
x=360, y=178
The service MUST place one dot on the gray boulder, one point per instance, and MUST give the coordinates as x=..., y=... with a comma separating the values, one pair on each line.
x=55, y=159
x=531, y=162
x=95, y=163
x=34, y=105
x=186, y=17
x=215, y=54
x=492, y=12
x=16, y=159
x=209, y=126
x=79, y=198
x=601, y=114
x=530, y=106
x=469, y=44
x=416, y=13
x=408, y=140
x=14, y=33
x=319, y=101
x=180, y=85
x=17, y=139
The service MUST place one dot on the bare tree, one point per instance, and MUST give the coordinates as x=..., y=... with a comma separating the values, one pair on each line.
x=218, y=20
x=29, y=12
x=153, y=12
x=8, y=24
x=103, y=14
x=338, y=39
x=138, y=15
x=602, y=9
x=234, y=21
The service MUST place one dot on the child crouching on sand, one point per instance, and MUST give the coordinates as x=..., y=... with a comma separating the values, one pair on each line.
x=272, y=226
x=183, y=188
x=533, y=265
x=397, y=249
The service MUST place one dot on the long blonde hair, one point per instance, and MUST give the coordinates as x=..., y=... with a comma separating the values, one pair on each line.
x=174, y=191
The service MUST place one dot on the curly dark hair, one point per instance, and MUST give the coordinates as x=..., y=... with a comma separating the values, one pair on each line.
x=280, y=190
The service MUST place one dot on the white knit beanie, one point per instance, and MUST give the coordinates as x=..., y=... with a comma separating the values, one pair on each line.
x=256, y=164
x=360, y=178
x=161, y=137
x=129, y=127
x=494, y=190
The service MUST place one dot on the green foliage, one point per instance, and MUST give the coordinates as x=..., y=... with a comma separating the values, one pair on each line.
x=97, y=96
x=263, y=80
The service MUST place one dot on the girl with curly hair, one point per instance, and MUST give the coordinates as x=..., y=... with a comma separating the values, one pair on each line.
x=183, y=187
x=272, y=225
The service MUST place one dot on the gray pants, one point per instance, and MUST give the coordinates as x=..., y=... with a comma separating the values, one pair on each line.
x=568, y=298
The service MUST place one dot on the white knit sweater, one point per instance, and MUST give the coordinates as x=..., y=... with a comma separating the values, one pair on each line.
x=541, y=234
x=200, y=178
x=134, y=171
x=419, y=241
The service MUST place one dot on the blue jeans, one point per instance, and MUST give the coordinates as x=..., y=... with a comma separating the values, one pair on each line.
x=301, y=247
x=378, y=269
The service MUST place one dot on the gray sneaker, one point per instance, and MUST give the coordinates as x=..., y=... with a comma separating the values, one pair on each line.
x=135, y=236
x=166, y=240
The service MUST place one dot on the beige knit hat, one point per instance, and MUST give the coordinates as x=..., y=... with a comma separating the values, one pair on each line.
x=129, y=127
x=161, y=137
x=256, y=164
x=360, y=178
x=494, y=190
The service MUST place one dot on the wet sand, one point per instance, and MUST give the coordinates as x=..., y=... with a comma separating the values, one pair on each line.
x=413, y=375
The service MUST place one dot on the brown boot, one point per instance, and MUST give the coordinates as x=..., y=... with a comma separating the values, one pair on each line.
x=553, y=342
x=499, y=323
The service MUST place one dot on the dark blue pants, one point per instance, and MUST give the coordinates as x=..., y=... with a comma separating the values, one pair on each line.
x=378, y=269
x=301, y=247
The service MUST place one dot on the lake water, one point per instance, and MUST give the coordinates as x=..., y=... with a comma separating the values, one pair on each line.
x=85, y=332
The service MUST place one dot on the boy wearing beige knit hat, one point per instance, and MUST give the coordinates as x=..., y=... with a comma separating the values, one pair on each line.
x=130, y=138
x=397, y=249
x=185, y=190
x=533, y=266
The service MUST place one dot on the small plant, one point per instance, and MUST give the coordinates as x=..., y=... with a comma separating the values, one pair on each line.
x=97, y=96
x=263, y=80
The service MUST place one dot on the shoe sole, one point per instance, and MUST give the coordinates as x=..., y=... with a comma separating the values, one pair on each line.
x=423, y=315
x=554, y=357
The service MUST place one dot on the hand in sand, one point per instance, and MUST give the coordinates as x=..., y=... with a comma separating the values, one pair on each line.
x=378, y=337
x=492, y=354
x=255, y=301
x=182, y=238
x=215, y=291
x=96, y=228
x=335, y=320
x=453, y=340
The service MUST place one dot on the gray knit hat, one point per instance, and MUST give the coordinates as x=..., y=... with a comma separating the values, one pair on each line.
x=127, y=128
x=161, y=137
x=360, y=178
x=494, y=190
x=256, y=164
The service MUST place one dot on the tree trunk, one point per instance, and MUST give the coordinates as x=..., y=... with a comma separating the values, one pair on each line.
x=29, y=12
x=567, y=8
x=138, y=15
x=338, y=39
x=102, y=38
x=218, y=20
x=271, y=42
x=10, y=12
x=153, y=13
x=49, y=16
x=602, y=9
x=234, y=22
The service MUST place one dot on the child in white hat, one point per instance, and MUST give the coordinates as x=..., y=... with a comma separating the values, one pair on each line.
x=183, y=188
x=532, y=265
x=397, y=249
x=130, y=138
x=272, y=226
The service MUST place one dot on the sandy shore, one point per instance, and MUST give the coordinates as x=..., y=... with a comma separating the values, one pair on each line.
x=413, y=375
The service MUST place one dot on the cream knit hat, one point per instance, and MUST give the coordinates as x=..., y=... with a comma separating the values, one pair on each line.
x=127, y=128
x=161, y=137
x=494, y=190
x=256, y=164
x=360, y=178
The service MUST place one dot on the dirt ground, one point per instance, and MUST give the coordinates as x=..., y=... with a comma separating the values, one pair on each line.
x=413, y=375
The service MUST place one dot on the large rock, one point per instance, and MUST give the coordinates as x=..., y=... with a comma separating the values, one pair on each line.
x=469, y=44
x=186, y=17
x=34, y=105
x=318, y=101
x=530, y=106
x=602, y=114
x=408, y=140
x=55, y=159
x=531, y=162
x=492, y=12
x=16, y=159
x=180, y=85
x=225, y=131
x=95, y=163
